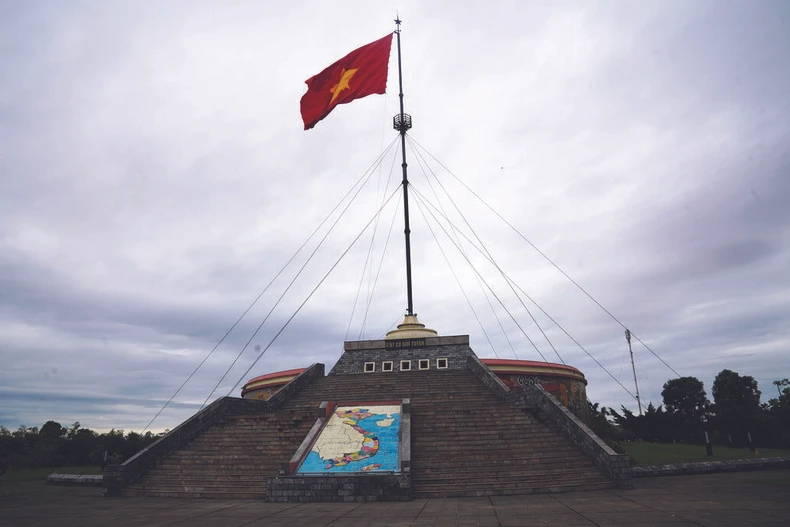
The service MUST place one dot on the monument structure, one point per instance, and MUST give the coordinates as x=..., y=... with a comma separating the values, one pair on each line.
x=395, y=419
x=414, y=415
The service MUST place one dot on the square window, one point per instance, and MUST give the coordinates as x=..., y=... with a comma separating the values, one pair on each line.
x=386, y=366
x=370, y=367
x=405, y=365
x=441, y=364
x=424, y=364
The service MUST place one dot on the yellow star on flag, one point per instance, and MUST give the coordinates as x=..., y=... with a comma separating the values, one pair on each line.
x=342, y=84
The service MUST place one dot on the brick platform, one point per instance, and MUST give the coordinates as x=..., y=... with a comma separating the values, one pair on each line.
x=470, y=435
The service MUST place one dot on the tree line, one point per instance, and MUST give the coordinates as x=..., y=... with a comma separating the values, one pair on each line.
x=733, y=417
x=54, y=445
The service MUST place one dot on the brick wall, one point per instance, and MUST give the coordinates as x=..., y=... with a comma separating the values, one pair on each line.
x=404, y=438
x=356, y=487
x=354, y=358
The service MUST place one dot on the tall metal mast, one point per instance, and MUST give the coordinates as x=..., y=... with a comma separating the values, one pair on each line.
x=401, y=123
x=633, y=367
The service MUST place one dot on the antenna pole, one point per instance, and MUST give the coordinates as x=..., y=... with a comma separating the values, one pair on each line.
x=401, y=123
x=633, y=367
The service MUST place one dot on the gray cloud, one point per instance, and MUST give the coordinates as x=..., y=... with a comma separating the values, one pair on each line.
x=155, y=177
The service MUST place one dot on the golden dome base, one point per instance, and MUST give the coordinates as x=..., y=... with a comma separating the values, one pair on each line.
x=410, y=328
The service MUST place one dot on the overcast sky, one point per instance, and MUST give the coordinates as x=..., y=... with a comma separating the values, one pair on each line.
x=155, y=176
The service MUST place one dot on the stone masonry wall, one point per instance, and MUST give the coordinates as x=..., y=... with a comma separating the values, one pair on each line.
x=357, y=487
x=455, y=349
x=707, y=467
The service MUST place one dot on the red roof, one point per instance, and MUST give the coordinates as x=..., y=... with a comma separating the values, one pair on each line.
x=527, y=363
x=284, y=373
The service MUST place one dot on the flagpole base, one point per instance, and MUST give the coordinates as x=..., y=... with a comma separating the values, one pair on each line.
x=410, y=328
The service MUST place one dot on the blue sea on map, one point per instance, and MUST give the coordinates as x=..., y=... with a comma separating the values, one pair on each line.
x=387, y=455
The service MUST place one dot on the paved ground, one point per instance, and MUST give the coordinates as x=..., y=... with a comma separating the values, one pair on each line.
x=745, y=498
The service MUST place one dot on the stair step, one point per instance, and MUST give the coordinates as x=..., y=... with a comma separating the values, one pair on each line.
x=217, y=495
x=506, y=484
x=464, y=441
x=441, y=463
x=450, y=479
x=200, y=487
x=541, y=489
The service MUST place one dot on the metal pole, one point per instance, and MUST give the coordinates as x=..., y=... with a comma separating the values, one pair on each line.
x=633, y=367
x=403, y=127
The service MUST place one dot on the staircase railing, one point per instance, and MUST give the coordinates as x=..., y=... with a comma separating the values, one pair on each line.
x=295, y=386
x=116, y=477
x=614, y=464
x=489, y=378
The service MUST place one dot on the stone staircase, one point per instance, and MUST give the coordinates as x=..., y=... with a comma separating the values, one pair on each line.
x=231, y=460
x=464, y=441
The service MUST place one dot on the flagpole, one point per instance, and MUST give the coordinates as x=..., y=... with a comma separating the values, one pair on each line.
x=402, y=122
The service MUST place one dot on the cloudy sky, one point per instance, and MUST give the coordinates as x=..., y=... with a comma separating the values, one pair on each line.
x=154, y=177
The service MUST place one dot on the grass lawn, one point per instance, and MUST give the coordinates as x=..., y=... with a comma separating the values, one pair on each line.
x=645, y=454
x=40, y=474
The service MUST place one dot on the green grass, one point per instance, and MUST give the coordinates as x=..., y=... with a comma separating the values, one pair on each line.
x=645, y=454
x=40, y=474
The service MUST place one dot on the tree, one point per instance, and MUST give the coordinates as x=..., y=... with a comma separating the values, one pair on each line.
x=657, y=425
x=52, y=431
x=737, y=404
x=652, y=426
x=54, y=445
x=783, y=387
x=778, y=414
x=82, y=441
x=688, y=407
x=598, y=420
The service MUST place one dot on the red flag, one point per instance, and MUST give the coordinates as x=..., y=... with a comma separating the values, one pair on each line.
x=361, y=73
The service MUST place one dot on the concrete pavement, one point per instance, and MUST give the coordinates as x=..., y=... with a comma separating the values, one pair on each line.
x=743, y=498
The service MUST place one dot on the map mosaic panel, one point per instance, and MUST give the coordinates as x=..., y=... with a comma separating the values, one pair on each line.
x=356, y=439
